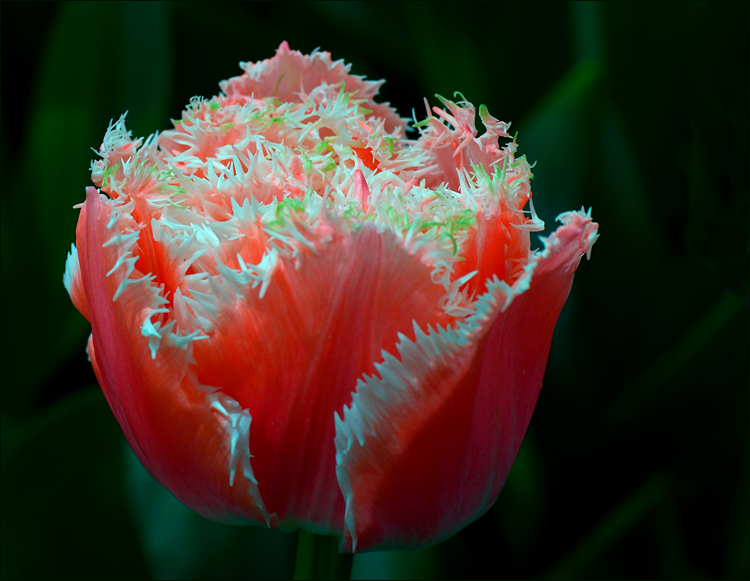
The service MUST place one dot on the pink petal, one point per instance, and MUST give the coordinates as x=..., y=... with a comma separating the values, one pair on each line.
x=426, y=448
x=73, y=281
x=174, y=424
x=292, y=357
x=290, y=76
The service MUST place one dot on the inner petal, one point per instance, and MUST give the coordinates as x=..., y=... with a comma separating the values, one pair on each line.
x=293, y=358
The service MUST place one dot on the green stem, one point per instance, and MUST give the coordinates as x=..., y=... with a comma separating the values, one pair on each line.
x=318, y=558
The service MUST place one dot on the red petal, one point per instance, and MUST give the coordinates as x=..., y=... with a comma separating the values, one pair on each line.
x=293, y=357
x=425, y=449
x=365, y=156
x=167, y=416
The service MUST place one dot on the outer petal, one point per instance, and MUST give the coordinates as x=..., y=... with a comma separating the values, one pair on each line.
x=426, y=448
x=74, y=282
x=190, y=437
x=293, y=355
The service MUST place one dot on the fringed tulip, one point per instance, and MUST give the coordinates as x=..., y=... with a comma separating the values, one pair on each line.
x=301, y=318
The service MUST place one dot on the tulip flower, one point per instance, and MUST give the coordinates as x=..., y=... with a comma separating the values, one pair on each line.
x=302, y=318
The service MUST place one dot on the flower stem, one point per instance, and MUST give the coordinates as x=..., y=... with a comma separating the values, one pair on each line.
x=318, y=558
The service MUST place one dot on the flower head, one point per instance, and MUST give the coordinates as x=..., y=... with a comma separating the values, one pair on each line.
x=301, y=318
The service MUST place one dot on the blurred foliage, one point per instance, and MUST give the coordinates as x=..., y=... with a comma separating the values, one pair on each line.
x=64, y=507
x=636, y=460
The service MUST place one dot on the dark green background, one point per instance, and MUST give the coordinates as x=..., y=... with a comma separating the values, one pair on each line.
x=636, y=461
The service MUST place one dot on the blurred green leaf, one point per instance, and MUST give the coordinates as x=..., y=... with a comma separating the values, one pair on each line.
x=642, y=389
x=6, y=242
x=557, y=134
x=670, y=540
x=588, y=32
x=56, y=157
x=80, y=87
x=619, y=521
x=737, y=540
x=146, y=29
x=445, y=67
x=181, y=544
x=714, y=205
x=63, y=502
x=628, y=210
x=521, y=506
